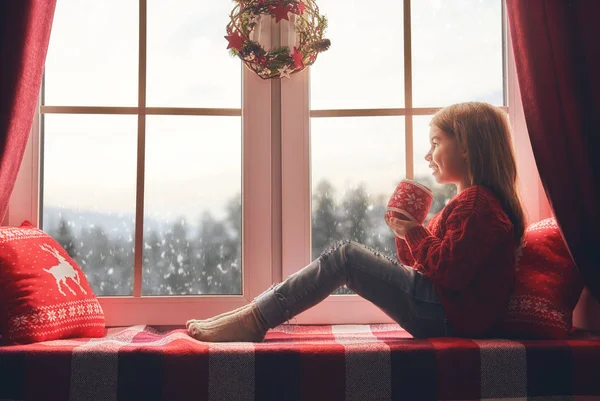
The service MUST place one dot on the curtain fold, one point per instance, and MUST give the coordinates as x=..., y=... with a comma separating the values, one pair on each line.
x=24, y=36
x=557, y=53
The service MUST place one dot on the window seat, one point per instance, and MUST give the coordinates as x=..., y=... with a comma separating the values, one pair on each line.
x=295, y=362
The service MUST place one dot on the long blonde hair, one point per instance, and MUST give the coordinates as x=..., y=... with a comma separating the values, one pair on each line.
x=483, y=131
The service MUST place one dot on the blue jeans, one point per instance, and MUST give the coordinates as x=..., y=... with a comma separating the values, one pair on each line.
x=401, y=292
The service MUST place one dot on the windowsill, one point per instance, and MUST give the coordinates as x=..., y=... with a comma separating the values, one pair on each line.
x=336, y=309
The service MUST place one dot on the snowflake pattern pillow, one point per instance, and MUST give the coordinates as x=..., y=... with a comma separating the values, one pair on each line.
x=547, y=286
x=45, y=295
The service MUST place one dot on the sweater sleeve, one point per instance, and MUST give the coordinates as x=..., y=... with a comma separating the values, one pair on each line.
x=404, y=253
x=452, y=261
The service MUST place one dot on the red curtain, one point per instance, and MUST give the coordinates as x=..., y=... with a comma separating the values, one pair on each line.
x=24, y=35
x=557, y=52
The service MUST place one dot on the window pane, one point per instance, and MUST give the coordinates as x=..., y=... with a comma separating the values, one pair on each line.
x=89, y=175
x=193, y=209
x=93, y=54
x=457, y=52
x=423, y=174
x=364, y=68
x=188, y=61
x=356, y=164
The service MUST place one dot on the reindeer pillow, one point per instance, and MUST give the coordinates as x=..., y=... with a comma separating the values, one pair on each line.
x=44, y=295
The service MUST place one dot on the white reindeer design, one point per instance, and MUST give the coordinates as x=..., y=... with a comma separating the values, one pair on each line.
x=62, y=271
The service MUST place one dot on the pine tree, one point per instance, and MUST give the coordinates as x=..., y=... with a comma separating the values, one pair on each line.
x=355, y=225
x=65, y=238
x=153, y=263
x=232, y=276
x=325, y=229
x=178, y=257
x=212, y=256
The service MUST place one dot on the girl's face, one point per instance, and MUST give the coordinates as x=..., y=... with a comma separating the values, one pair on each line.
x=447, y=160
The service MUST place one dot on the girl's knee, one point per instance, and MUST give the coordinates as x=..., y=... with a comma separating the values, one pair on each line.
x=336, y=257
x=338, y=248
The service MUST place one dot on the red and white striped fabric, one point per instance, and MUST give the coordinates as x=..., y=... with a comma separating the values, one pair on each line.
x=333, y=363
x=44, y=294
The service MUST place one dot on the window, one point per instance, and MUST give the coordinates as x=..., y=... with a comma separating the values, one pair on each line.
x=143, y=165
x=159, y=153
x=370, y=98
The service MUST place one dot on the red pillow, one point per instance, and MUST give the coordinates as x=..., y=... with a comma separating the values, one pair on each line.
x=547, y=286
x=44, y=294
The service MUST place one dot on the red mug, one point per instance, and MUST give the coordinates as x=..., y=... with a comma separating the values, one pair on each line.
x=410, y=201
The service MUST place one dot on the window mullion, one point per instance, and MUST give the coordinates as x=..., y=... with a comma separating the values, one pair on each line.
x=505, y=58
x=408, y=119
x=141, y=155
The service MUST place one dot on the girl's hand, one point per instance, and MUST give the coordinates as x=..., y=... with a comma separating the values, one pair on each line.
x=398, y=226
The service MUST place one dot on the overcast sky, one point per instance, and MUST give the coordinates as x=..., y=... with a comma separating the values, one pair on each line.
x=193, y=163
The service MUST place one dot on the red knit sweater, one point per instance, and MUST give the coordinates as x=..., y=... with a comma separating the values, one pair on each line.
x=468, y=252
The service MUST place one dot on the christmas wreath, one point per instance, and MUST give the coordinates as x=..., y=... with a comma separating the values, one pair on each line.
x=300, y=44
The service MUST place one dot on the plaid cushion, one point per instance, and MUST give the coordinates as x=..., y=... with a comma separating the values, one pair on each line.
x=363, y=362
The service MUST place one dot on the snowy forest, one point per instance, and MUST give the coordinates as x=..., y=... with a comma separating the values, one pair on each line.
x=205, y=258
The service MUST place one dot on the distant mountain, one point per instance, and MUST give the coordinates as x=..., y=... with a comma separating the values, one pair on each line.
x=114, y=224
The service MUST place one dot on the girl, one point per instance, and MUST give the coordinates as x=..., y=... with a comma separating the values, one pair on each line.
x=462, y=264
